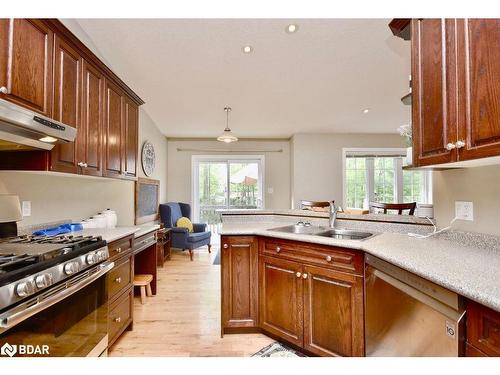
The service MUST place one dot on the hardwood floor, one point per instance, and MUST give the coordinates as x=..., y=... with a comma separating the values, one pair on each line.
x=183, y=319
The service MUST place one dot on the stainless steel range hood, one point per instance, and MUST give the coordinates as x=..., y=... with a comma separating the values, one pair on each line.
x=22, y=129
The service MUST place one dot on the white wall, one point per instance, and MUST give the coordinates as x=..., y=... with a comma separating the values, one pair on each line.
x=480, y=185
x=277, y=167
x=148, y=131
x=317, y=162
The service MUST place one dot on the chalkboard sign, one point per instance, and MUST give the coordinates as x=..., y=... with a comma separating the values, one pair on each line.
x=147, y=193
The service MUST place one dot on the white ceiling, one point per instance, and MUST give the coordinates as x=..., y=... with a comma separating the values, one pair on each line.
x=317, y=80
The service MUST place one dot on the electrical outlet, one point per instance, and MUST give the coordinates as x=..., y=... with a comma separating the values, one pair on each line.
x=270, y=190
x=26, y=208
x=464, y=210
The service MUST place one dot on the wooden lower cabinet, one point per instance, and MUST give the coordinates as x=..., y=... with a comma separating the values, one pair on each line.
x=239, y=275
x=120, y=288
x=333, y=313
x=311, y=303
x=281, y=298
x=120, y=315
x=483, y=331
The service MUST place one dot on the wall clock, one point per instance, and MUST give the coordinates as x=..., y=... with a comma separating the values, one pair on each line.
x=148, y=158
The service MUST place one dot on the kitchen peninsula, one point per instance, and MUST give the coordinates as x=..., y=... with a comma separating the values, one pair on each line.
x=257, y=252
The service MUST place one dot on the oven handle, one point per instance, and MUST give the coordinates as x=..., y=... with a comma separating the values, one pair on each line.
x=18, y=314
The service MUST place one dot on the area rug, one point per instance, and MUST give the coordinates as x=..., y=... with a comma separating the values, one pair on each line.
x=217, y=258
x=277, y=349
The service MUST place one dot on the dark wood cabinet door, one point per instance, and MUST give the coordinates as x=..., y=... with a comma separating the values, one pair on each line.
x=483, y=330
x=113, y=130
x=239, y=275
x=333, y=312
x=280, y=296
x=67, y=87
x=26, y=64
x=130, y=136
x=90, y=134
x=479, y=93
x=434, y=91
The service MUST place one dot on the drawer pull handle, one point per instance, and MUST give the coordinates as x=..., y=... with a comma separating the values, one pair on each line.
x=278, y=249
x=118, y=280
x=304, y=276
x=225, y=246
x=328, y=258
x=117, y=320
x=118, y=249
x=298, y=274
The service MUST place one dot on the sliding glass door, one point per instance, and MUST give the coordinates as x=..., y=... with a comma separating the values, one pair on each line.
x=226, y=182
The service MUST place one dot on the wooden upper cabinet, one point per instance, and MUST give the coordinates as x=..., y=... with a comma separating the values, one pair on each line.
x=130, y=136
x=479, y=77
x=434, y=86
x=113, y=130
x=281, y=298
x=339, y=332
x=26, y=63
x=90, y=138
x=67, y=88
x=239, y=274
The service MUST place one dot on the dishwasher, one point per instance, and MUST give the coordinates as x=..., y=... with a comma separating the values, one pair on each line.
x=406, y=315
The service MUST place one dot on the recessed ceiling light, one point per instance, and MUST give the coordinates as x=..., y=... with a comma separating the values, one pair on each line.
x=366, y=110
x=247, y=49
x=292, y=28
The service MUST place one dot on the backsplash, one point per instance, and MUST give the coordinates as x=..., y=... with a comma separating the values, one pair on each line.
x=55, y=197
x=479, y=185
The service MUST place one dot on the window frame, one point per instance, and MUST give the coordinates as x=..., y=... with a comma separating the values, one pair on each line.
x=228, y=159
x=370, y=173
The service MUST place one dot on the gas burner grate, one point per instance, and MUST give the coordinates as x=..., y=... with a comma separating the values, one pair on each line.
x=12, y=261
x=58, y=239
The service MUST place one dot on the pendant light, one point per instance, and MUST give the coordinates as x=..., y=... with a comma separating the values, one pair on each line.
x=227, y=136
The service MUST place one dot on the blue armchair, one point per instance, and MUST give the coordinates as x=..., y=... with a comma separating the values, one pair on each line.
x=181, y=238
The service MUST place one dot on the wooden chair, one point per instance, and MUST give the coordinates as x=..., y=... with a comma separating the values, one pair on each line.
x=311, y=204
x=400, y=207
x=144, y=282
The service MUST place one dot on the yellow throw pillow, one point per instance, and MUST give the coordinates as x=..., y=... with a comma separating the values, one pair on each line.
x=184, y=222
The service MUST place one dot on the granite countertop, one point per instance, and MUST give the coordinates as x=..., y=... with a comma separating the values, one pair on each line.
x=113, y=234
x=468, y=270
x=404, y=219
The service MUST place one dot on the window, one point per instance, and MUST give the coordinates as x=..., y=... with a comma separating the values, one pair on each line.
x=356, y=182
x=221, y=182
x=378, y=176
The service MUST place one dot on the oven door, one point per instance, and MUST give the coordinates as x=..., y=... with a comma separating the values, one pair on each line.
x=70, y=319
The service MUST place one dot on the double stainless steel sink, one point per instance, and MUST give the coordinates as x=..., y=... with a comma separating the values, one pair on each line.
x=343, y=234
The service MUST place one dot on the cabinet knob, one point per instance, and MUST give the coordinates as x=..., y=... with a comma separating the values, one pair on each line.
x=225, y=246
x=328, y=258
x=4, y=90
x=298, y=274
x=118, y=280
x=460, y=144
x=450, y=146
x=304, y=276
x=118, y=249
x=117, y=320
x=278, y=249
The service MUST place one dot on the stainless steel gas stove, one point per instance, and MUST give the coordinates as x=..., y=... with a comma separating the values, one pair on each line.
x=54, y=285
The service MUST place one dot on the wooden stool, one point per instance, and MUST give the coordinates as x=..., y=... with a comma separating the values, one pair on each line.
x=144, y=282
